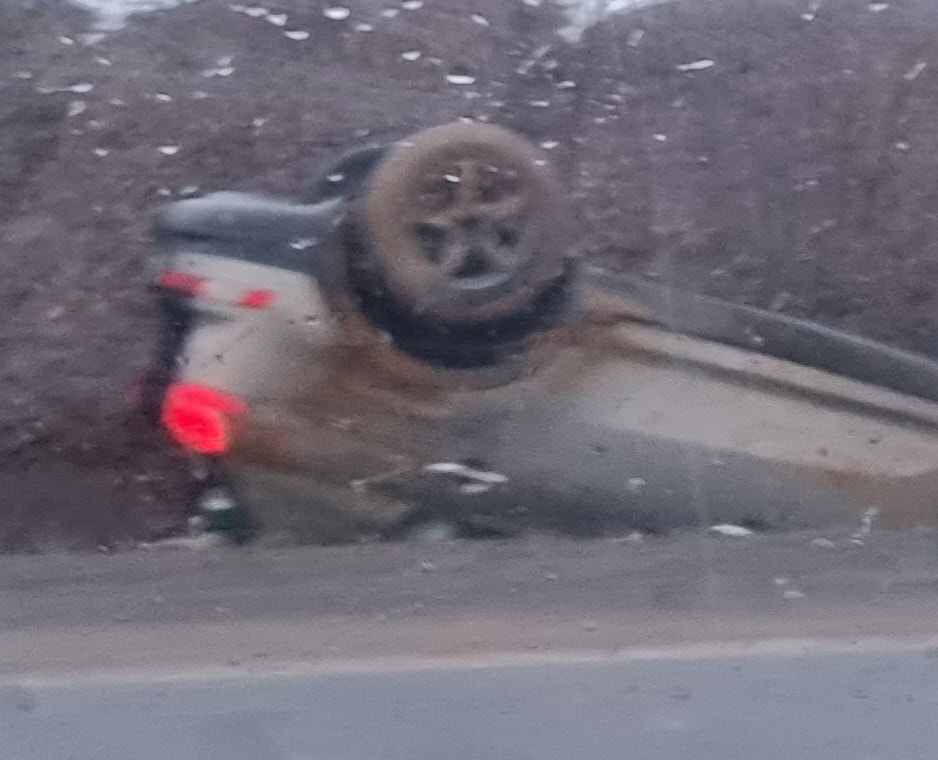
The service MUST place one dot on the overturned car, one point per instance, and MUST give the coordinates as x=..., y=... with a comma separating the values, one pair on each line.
x=411, y=343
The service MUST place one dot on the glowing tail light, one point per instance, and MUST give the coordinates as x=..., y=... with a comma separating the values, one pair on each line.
x=257, y=299
x=200, y=418
x=182, y=282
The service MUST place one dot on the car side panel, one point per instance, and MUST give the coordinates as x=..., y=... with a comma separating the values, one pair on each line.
x=613, y=428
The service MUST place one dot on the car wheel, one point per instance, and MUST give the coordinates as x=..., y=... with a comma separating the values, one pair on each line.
x=465, y=223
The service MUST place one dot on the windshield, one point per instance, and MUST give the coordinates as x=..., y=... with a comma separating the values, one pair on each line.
x=516, y=321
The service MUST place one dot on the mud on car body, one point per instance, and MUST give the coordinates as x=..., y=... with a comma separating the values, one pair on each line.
x=411, y=342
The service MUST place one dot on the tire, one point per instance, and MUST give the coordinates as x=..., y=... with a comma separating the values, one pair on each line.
x=465, y=223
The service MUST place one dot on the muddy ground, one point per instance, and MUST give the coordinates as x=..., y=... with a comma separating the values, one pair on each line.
x=796, y=173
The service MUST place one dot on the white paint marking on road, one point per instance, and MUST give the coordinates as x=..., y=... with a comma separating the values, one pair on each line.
x=496, y=660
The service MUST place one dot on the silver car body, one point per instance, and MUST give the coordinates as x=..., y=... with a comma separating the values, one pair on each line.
x=641, y=409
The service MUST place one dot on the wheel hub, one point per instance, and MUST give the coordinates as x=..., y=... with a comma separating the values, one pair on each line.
x=469, y=222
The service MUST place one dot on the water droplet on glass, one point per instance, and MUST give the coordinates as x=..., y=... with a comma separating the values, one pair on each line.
x=474, y=489
x=780, y=301
x=636, y=485
x=731, y=531
x=337, y=13
x=913, y=73
x=702, y=65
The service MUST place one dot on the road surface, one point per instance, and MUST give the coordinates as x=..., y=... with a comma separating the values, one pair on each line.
x=693, y=647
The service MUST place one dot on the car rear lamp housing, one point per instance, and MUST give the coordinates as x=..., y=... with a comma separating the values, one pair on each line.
x=184, y=283
x=257, y=299
x=200, y=418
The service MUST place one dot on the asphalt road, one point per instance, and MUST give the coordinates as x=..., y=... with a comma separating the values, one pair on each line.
x=692, y=647
x=839, y=707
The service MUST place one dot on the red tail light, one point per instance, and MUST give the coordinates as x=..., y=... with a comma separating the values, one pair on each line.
x=182, y=282
x=199, y=417
x=257, y=299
